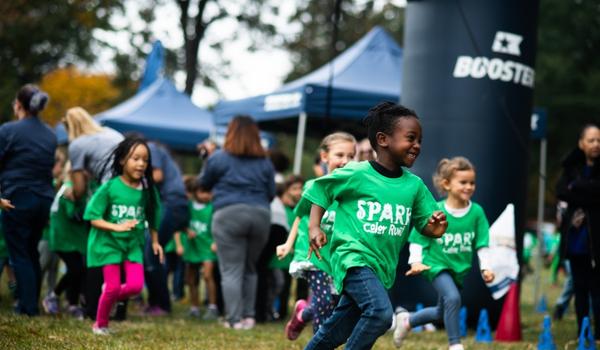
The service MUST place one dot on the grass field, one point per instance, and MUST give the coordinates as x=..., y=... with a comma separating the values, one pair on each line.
x=180, y=332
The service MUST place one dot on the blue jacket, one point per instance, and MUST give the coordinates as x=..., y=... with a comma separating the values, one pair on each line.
x=27, y=148
x=238, y=180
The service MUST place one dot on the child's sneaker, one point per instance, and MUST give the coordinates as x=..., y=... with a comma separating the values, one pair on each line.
x=50, y=304
x=100, y=330
x=194, y=312
x=236, y=326
x=211, y=314
x=456, y=347
x=429, y=327
x=402, y=327
x=76, y=312
x=295, y=325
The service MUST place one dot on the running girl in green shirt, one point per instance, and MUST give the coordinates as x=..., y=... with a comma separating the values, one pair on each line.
x=119, y=212
x=198, y=249
x=447, y=260
x=337, y=150
x=378, y=202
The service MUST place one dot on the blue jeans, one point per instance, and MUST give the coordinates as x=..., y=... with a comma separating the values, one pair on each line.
x=563, y=301
x=23, y=228
x=363, y=314
x=174, y=218
x=448, y=308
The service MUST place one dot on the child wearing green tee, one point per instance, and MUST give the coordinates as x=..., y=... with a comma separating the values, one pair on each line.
x=337, y=150
x=445, y=261
x=279, y=280
x=68, y=239
x=378, y=202
x=197, y=248
x=120, y=211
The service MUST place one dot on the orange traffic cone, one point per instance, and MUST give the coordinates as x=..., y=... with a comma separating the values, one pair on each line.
x=509, y=326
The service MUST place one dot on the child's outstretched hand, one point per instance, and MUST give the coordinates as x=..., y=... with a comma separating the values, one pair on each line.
x=488, y=276
x=437, y=225
x=179, y=250
x=283, y=250
x=416, y=269
x=5, y=204
x=157, y=249
x=125, y=226
x=191, y=233
x=213, y=247
x=317, y=241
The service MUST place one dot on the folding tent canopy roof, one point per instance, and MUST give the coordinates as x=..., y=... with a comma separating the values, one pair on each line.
x=366, y=73
x=160, y=112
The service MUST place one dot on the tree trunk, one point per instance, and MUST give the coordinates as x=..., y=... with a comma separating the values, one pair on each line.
x=192, y=41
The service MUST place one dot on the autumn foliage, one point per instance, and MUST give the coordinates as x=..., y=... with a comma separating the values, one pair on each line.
x=68, y=87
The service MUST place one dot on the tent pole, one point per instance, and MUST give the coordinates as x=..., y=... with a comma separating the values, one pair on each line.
x=299, y=143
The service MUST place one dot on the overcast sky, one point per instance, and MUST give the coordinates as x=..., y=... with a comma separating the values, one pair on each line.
x=253, y=73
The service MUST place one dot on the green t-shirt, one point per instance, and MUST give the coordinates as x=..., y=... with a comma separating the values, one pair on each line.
x=453, y=252
x=374, y=217
x=117, y=202
x=66, y=233
x=197, y=249
x=301, y=246
x=3, y=249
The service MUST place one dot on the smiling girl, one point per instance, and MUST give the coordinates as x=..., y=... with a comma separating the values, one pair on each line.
x=119, y=212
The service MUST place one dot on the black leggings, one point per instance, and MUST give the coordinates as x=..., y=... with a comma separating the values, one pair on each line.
x=586, y=283
x=73, y=281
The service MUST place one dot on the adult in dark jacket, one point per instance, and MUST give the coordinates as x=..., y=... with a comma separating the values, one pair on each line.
x=579, y=187
x=27, y=148
x=241, y=178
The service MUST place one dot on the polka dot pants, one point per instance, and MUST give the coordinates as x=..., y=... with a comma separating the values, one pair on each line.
x=322, y=301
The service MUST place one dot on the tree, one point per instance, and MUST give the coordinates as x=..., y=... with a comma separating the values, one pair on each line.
x=68, y=88
x=567, y=79
x=37, y=36
x=312, y=48
x=198, y=15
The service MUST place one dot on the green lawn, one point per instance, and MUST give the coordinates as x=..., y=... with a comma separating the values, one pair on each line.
x=180, y=332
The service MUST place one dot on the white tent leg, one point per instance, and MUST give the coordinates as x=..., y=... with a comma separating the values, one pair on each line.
x=299, y=143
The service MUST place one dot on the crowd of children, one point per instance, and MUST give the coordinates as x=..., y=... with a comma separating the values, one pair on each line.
x=341, y=234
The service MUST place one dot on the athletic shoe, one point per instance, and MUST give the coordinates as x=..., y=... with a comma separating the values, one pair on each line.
x=194, y=312
x=50, y=304
x=236, y=326
x=456, y=347
x=100, y=330
x=295, y=325
x=402, y=327
x=429, y=327
x=248, y=323
x=155, y=311
x=76, y=312
x=210, y=314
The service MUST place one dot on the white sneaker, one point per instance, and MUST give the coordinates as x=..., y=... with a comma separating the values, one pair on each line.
x=402, y=328
x=248, y=323
x=456, y=347
x=429, y=327
x=100, y=331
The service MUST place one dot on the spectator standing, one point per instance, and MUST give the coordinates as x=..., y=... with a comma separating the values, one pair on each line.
x=579, y=187
x=27, y=148
x=241, y=178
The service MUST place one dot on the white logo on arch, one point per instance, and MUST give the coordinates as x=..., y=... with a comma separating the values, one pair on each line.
x=507, y=43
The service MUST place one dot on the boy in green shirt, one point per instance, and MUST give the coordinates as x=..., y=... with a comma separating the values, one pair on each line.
x=378, y=204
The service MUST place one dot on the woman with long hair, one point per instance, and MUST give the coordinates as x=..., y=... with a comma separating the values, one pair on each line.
x=241, y=178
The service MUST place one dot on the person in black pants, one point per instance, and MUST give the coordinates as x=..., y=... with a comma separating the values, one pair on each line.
x=579, y=187
x=27, y=148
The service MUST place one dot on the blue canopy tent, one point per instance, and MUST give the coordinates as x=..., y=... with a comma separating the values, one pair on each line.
x=366, y=73
x=162, y=113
